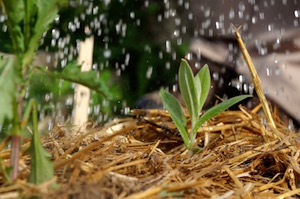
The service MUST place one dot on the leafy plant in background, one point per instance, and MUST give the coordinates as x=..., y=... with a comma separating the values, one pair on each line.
x=27, y=21
x=194, y=90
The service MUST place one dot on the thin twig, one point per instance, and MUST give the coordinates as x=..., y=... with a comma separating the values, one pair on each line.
x=256, y=80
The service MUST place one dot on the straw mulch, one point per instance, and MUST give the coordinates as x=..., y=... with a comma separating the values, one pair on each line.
x=144, y=157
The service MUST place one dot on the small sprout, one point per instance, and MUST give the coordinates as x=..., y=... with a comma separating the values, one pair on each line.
x=194, y=90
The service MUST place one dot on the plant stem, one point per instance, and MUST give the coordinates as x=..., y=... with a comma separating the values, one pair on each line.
x=14, y=156
x=16, y=138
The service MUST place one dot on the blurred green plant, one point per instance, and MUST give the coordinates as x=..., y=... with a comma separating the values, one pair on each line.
x=27, y=21
x=131, y=52
x=194, y=91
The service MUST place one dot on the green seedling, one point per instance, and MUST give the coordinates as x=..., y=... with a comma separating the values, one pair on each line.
x=194, y=90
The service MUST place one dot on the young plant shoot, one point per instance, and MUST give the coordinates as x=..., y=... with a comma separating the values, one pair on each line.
x=194, y=90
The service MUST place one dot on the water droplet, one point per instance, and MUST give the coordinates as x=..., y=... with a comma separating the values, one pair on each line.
x=126, y=110
x=190, y=16
x=277, y=71
x=251, y=88
x=174, y=88
x=270, y=27
x=254, y=20
x=268, y=71
x=231, y=13
x=197, y=65
x=2, y=18
x=107, y=53
x=146, y=4
x=207, y=13
x=297, y=13
x=132, y=15
x=168, y=46
x=215, y=76
x=176, y=33
x=168, y=65
x=189, y=56
x=186, y=5
x=149, y=72
x=241, y=78
x=261, y=16
x=159, y=18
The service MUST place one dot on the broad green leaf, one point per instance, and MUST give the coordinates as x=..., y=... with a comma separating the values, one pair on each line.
x=187, y=88
x=8, y=85
x=204, y=76
x=212, y=112
x=177, y=114
x=14, y=10
x=72, y=73
x=46, y=13
x=41, y=166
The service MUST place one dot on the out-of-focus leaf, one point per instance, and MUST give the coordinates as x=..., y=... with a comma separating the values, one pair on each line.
x=41, y=166
x=46, y=13
x=177, y=114
x=14, y=10
x=8, y=83
x=72, y=73
x=187, y=88
x=219, y=108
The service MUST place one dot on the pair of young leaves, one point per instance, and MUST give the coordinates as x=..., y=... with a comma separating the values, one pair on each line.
x=194, y=90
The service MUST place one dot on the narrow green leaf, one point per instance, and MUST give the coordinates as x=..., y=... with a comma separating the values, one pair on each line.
x=8, y=86
x=187, y=88
x=72, y=73
x=41, y=166
x=177, y=114
x=212, y=112
x=204, y=76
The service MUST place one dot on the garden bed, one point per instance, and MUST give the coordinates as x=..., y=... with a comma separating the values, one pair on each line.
x=143, y=156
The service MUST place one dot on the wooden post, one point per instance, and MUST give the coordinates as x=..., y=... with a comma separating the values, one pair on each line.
x=82, y=93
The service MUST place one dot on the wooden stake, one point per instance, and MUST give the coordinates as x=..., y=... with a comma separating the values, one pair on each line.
x=82, y=93
x=256, y=80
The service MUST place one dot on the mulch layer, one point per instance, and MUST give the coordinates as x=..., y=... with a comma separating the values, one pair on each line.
x=143, y=156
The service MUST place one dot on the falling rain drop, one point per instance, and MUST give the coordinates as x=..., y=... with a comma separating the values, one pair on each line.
x=149, y=72
x=168, y=46
x=168, y=65
x=297, y=13
x=107, y=53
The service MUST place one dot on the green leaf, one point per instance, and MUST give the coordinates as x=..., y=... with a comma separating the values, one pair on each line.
x=46, y=13
x=177, y=114
x=14, y=10
x=72, y=73
x=8, y=85
x=204, y=76
x=212, y=112
x=41, y=166
x=187, y=88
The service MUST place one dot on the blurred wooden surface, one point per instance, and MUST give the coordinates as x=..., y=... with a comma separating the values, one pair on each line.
x=82, y=93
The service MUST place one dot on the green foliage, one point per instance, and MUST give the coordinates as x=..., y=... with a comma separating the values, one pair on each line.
x=194, y=91
x=41, y=166
x=72, y=73
x=26, y=21
x=5, y=171
x=8, y=83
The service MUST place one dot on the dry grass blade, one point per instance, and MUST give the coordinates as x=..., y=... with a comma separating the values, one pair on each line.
x=255, y=79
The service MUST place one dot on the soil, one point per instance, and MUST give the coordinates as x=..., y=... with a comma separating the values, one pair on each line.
x=143, y=156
